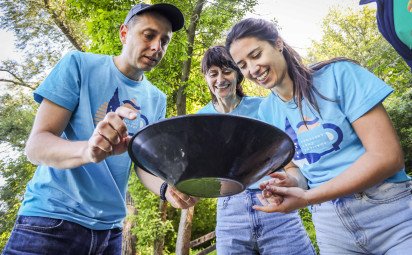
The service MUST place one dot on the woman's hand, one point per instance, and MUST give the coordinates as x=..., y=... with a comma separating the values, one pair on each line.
x=180, y=200
x=280, y=179
x=292, y=198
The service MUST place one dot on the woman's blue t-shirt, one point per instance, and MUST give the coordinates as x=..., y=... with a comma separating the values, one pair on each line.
x=328, y=144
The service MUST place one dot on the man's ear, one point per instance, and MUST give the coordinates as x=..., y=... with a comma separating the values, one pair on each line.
x=123, y=33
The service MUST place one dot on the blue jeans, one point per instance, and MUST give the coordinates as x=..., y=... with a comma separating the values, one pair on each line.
x=242, y=230
x=376, y=221
x=39, y=235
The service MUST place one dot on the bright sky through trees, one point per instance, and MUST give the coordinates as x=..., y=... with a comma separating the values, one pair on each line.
x=299, y=20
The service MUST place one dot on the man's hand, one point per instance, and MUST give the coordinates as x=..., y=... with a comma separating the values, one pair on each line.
x=110, y=135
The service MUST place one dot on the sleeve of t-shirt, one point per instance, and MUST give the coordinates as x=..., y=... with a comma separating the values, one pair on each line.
x=62, y=85
x=358, y=89
x=163, y=111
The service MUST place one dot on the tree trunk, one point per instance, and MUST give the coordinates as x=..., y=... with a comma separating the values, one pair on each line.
x=185, y=232
x=181, y=101
x=159, y=243
x=129, y=240
x=191, y=33
x=185, y=225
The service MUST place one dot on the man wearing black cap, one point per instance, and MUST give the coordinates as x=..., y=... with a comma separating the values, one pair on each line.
x=90, y=105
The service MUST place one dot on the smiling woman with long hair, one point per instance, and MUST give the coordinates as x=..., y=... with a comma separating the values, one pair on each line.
x=345, y=144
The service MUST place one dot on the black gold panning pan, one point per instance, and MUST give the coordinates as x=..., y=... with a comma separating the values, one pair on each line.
x=210, y=155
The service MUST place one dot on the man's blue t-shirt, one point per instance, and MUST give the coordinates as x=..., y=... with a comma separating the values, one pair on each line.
x=92, y=195
x=328, y=144
x=248, y=107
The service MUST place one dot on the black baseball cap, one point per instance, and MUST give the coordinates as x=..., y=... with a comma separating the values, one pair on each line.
x=169, y=11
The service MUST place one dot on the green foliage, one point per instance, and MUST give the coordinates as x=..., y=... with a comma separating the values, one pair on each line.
x=38, y=39
x=400, y=111
x=32, y=24
x=251, y=89
x=17, y=173
x=348, y=33
x=16, y=116
x=306, y=217
x=105, y=40
x=148, y=223
x=102, y=21
x=354, y=34
x=204, y=221
x=216, y=17
x=147, y=219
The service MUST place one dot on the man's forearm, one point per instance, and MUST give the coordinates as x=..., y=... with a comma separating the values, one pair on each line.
x=47, y=149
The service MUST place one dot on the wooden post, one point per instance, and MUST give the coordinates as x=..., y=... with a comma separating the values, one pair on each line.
x=207, y=250
x=202, y=239
x=185, y=232
x=129, y=240
x=159, y=243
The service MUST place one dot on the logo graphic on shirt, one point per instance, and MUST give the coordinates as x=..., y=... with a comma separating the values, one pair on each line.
x=313, y=140
x=132, y=125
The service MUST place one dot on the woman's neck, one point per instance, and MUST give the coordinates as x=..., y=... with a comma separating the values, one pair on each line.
x=228, y=104
x=285, y=89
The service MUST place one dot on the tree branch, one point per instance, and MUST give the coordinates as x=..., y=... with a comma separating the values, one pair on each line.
x=18, y=81
x=60, y=24
x=12, y=74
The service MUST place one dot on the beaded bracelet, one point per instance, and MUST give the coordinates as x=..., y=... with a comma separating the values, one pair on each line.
x=163, y=189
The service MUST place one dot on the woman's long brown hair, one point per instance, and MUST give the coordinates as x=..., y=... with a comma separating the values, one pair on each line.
x=301, y=75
